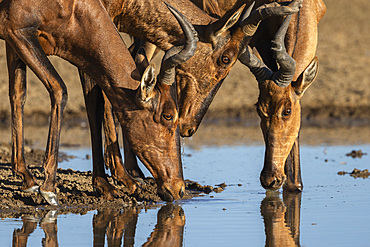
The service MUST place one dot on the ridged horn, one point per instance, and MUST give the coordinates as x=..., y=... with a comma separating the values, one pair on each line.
x=284, y=76
x=251, y=22
x=178, y=54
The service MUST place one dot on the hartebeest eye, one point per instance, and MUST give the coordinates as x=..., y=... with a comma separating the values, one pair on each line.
x=287, y=112
x=225, y=59
x=167, y=117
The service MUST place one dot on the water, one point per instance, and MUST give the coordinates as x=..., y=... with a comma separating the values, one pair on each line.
x=333, y=210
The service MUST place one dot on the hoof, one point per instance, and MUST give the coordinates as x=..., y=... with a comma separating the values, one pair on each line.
x=139, y=180
x=50, y=217
x=107, y=194
x=33, y=219
x=50, y=197
x=34, y=188
x=291, y=187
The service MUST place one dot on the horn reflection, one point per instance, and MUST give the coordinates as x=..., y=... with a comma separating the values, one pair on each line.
x=281, y=218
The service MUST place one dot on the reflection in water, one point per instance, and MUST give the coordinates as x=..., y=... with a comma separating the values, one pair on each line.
x=281, y=218
x=169, y=230
x=113, y=225
x=48, y=223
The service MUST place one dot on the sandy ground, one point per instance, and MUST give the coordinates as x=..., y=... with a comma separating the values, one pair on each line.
x=75, y=190
x=340, y=94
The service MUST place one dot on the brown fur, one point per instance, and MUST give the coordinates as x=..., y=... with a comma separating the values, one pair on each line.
x=301, y=42
x=134, y=18
x=72, y=30
x=201, y=76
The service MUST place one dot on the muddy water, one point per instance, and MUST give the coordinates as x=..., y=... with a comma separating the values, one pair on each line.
x=333, y=210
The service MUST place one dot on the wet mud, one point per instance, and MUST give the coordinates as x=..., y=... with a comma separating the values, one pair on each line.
x=75, y=190
x=356, y=154
x=357, y=173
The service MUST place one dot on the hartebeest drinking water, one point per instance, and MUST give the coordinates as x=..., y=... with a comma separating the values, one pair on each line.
x=82, y=33
x=279, y=105
x=200, y=77
x=301, y=42
x=204, y=73
x=141, y=18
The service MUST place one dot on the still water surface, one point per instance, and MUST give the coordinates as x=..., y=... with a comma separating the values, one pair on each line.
x=333, y=210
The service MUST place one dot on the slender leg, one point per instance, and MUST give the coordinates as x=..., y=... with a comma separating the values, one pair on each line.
x=26, y=44
x=17, y=95
x=112, y=154
x=131, y=161
x=293, y=170
x=51, y=235
x=94, y=103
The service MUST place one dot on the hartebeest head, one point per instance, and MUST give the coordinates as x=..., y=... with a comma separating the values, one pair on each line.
x=157, y=145
x=219, y=48
x=200, y=78
x=279, y=105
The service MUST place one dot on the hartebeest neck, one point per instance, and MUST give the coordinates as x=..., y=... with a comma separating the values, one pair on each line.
x=100, y=53
x=150, y=20
x=304, y=33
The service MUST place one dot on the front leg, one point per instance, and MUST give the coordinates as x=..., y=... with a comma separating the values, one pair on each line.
x=94, y=103
x=28, y=48
x=17, y=95
x=293, y=170
x=131, y=161
x=112, y=154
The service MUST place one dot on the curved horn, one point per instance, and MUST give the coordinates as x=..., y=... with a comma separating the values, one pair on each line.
x=250, y=24
x=247, y=13
x=178, y=54
x=255, y=65
x=284, y=76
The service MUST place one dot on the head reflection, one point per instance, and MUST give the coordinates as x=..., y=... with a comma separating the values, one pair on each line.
x=169, y=229
x=281, y=218
x=48, y=223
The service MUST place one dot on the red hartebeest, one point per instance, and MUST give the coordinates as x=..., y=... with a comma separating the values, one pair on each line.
x=147, y=110
x=301, y=41
x=218, y=49
x=279, y=105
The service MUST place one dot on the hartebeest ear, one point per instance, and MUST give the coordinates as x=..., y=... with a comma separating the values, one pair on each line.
x=224, y=24
x=148, y=81
x=306, y=78
x=141, y=60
